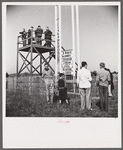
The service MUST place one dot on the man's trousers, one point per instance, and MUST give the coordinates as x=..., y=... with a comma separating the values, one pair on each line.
x=49, y=89
x=85, y=98
x=103, y=90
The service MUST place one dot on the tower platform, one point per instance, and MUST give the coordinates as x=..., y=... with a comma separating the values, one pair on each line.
x=39, y=48
x=29, y=44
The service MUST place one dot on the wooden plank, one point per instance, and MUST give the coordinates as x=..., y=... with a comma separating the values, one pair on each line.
x=73, y=93
x=41, y=49
x=71, y=81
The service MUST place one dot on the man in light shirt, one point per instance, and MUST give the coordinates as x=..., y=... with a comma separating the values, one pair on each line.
x=103, y=80
x=83, y=81
x=48, y=76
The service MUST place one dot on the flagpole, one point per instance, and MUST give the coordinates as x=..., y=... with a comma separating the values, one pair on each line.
x=56, y=39
x=60, y=63
x=77, y=32
x=73, y=38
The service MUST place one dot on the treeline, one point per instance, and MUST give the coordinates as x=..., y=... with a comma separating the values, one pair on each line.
x=20, y=75
x=94, y=73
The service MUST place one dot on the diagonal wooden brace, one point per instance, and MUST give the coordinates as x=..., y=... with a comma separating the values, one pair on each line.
x=44, y=60
x=23, y=58
x=24, y=62
x=29, y=63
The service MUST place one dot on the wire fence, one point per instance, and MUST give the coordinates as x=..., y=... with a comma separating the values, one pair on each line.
x=35, y=85
x=26, y=96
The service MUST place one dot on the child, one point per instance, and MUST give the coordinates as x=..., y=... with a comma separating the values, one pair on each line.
x=62, y=89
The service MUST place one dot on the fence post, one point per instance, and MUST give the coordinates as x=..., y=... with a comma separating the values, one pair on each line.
x=6, y=83
x=29, y=87
x=74, y=87
x=13, y=83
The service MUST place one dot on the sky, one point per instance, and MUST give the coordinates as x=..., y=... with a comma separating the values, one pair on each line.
x=98, y=32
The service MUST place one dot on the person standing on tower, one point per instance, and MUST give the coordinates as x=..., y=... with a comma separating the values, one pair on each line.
x=24, y=34
x=38, y=35
x=48, y=37
x=29, y=36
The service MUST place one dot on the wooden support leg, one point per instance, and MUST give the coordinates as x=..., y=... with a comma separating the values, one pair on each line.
x=40, y=65
x=31, y=61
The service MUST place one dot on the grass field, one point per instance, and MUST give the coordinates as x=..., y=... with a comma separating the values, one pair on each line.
x=20, y=103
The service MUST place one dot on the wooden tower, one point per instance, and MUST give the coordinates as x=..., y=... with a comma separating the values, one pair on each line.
x=30, y=46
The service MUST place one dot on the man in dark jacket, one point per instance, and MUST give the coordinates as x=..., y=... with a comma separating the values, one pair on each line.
x=29, y=36
x=24, y=34
x=111, y=85
x=48, y=37
x=38, y=35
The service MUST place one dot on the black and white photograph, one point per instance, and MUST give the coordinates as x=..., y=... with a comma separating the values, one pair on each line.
x=61, y=71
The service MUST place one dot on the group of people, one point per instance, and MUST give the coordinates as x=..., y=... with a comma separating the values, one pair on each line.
x=103, y=80
x=38, y=36
x=49, y=79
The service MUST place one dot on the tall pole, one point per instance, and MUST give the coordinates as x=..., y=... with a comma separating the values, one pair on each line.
x=56, y=48
x=60, y=60
x=77, y=27
x=30, y=78
x=73, y=38
x=31, y=54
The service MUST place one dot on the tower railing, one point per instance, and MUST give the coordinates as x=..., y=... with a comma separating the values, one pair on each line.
x=22, y=42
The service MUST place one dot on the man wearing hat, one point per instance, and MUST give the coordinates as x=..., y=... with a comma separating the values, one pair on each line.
x=48, y=76
x=38, y=35
x=103, y=80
